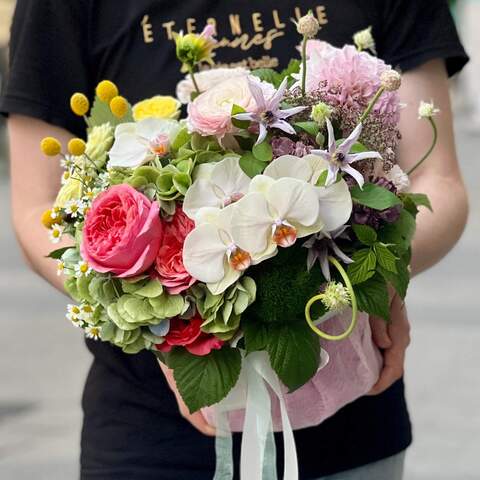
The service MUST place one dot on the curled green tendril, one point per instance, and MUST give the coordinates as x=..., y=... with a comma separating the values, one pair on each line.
x=319, y=297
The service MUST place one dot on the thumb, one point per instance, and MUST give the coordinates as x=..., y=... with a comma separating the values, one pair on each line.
x=380, y=332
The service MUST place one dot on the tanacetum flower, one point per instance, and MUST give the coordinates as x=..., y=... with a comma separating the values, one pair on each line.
x=74, y=208
x=157, y=107
x=56, y=233
x=93, y=332
x=427, y=110
x=50, y=146
x=73, y=314
x=119, y=106
x=86, y=312
x=76, y=146
x=79, y=104
x=106, y=91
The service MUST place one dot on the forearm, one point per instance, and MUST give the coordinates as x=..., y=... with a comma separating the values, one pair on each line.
x=36, y=245
x=438, y=232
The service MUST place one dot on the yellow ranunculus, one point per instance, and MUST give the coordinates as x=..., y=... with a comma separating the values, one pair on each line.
x=71, y=190
x=157, y=107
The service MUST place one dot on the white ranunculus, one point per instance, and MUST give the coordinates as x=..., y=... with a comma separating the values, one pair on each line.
x=138, y=143
x=206, y=80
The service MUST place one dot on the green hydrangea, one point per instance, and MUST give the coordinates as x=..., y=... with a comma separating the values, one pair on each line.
x=222, y=312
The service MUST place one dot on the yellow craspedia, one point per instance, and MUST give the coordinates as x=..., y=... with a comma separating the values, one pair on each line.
x=50, y=146
x=48, y=221
x=79, y=104
x=158, y=107
x=106, y=91
x=76, y=147
x=119, y=106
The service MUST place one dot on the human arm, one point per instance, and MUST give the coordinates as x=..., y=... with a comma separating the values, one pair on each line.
x=35, y=181
x=440, y=178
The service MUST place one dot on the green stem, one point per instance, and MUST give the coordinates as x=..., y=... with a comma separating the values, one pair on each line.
x=192, y=76
x=430, y=150
x=319, y=297
x=304, y=63
x=372, y=103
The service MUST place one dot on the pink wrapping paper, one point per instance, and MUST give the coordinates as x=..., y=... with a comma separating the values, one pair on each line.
x=354, y=367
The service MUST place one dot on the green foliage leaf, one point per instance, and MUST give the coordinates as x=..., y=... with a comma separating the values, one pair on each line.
x=312, y=128
x=374, y=196
x=101, y=114
x=267, y=75
x=367, y=235
x=419, y=199
x=363, y=266
x=385, y=258
x=372, y=297
x=399, y=280
x=251, y=165
x=204, y=380
x=243, y=124
x=399, y=233
x=182, y=138
x=263, y=151
x=256, y=336
x=57, y=254
x=322, y=179
x=294, y=352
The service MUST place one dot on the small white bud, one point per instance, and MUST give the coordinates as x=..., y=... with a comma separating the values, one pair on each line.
x=308, y=26
x=364, y=40
x=391, y=80
x=427, y=110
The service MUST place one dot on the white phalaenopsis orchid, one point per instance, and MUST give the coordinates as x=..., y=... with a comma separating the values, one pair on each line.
x=139, y=143
x=216, y=185
x=275, y=213
x=211, y=254
x=335, y=201
x=339, y=156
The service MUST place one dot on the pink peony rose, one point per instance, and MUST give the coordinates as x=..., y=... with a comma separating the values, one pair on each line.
x=187, y=333
x=211, y=112
x=122, y=232
x=169, y=263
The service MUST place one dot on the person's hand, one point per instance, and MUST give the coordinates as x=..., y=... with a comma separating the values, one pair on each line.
x=393, y=339
x=196, y=419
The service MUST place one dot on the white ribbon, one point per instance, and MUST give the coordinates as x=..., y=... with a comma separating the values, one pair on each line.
x=258, y=459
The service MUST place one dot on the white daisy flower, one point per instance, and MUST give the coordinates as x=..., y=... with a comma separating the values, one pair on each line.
x=86, y=312
x=82, y=269
x=74, y=208
x=55, y=212
x=93, y=332
x=67, y=162
x=56, y=233
x=60, y=267
x=74, y=315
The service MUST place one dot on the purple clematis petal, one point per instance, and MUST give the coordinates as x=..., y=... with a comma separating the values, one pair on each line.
x=274, y=102
x=355, y=174
x=284, y=126
x=355, y=157
x=331, y=138
x=331, y=175
x=289, y=112
x=262, y=133
x=351, y=140
x=244, y=116
x=257, y=93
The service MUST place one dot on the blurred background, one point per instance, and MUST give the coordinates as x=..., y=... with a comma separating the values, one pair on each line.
x=40, y=415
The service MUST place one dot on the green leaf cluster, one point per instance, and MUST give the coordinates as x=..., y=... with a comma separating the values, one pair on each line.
x=222, y=312
x=101, y=114
x=254, y=162
x=276, y=78
x=374, y=196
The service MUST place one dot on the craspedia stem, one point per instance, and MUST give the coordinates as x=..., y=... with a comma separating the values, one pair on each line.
x=432, y=146
x=319, y=297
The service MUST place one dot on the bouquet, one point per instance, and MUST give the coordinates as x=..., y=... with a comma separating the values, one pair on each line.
x=239, y=244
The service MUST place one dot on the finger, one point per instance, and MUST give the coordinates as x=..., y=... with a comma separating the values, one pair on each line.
x=392, y=369
x=380, y=332
x=198, y=421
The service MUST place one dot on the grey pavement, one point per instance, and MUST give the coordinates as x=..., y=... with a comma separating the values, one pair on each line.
x=43, y=361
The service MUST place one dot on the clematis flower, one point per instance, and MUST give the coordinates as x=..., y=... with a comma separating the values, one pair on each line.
x=321, y=245
x=335, y=201
x=340, y=158
x=210, y=253
x=268, y=113
x=216, y=185
x=275, y=213
x=138, y=143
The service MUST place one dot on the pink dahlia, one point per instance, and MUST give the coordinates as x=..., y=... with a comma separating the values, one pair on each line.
x=348, y=77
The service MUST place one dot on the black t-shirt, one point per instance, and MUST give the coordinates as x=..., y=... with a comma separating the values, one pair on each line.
x=132, y=428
